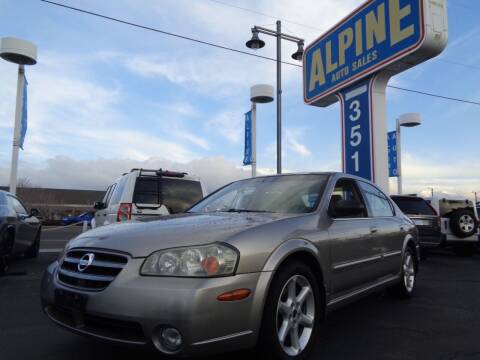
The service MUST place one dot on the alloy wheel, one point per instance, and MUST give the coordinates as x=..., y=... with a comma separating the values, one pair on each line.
x=408, y=271
x=466, y=223
x=295, y=315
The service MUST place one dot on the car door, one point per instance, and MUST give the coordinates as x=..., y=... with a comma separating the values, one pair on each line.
x=101, y=214
x=26, y=228
x=355, y=254
x=388, y=232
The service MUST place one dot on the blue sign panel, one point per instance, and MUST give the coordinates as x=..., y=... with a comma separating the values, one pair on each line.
x=247, y=160
x=392, y=154
x=375, y=35
x=357, y=130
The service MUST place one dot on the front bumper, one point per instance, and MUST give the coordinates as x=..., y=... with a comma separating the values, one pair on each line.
x=133, y=307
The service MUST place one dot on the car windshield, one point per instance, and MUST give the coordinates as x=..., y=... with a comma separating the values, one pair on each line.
x=275, y=194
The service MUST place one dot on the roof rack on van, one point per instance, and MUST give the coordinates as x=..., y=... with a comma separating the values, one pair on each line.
x=159, y=172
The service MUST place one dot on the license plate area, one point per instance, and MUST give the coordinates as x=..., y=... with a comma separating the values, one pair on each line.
x=422, y=222
x=70, y=300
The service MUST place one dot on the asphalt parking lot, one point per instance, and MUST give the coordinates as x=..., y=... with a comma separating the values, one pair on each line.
x=441, y=322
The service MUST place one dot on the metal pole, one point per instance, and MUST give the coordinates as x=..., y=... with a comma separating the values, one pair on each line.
x=254, y=139
x=431, y=192
x=279, y=97
x=399, y=160
x=476, y=200
x=16, y=131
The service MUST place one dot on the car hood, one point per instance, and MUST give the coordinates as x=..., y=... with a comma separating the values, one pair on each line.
x=142, y=237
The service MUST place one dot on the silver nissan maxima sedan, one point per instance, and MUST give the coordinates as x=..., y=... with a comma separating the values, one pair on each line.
x=257, y=263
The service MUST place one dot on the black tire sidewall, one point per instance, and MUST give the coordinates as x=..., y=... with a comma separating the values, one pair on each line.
x=269, y=345
x=5, y=258
x=455, y=223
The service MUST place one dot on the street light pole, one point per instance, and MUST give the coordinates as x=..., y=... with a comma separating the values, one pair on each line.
x=279, y=97
x=406, y=120
x=254, y=139
x=21, y=52
x=16, y=131
x=255, y=43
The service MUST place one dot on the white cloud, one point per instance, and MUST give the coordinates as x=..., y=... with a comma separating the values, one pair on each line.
x=229, y=124
x=66, y=172
x=447, y=177
x=293, y=139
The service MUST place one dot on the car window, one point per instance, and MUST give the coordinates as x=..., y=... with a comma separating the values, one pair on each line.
x=413, y=206
x=147, y=191
x=117, y=193
x=3, y=199
x=345, y=189
x=179, y=195
x=108, y=195
x=377, y=201
x=16, y=205
x=294, y=194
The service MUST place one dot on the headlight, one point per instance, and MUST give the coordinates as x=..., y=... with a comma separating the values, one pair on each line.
x=197, y=261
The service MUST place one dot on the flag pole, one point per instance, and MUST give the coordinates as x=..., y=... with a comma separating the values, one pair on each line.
x=254, y=139
x=16, y=131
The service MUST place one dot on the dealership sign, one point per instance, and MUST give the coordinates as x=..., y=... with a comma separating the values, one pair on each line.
x=353, y=61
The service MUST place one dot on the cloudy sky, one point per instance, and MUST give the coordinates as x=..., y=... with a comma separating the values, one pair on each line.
x=105, y=97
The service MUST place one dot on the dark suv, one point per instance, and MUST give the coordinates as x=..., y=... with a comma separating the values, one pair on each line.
x=426, y=219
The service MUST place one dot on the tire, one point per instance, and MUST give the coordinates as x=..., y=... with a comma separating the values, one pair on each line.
x=465, y=250
x=286, y=317
x=32, y=252
x=405, y=289
x=6, y=249
x=463, y=223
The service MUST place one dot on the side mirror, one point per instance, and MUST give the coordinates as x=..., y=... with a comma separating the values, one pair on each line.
x=98, y=205
x=34, y=212
x=347, y=208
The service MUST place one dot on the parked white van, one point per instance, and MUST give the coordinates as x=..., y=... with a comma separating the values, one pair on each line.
x=144, y=193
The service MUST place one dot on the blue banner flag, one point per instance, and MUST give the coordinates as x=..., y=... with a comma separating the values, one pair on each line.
x=392, y=154
x=23, y=120
x=247, y=160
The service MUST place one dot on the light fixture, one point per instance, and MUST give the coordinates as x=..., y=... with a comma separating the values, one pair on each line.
x=255, y=42
x=298, y=55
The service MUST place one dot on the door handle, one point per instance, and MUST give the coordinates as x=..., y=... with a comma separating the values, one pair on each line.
x=373, y=229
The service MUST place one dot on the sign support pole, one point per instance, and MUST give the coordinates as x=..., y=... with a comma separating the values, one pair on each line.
x=364, y=125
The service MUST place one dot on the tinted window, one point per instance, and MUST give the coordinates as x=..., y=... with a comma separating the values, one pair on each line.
x=176, y=194
x=282, y=194
x=377, y=201
x=413, y=206
x=179, y=195
x=16, y=205
x=346, y=190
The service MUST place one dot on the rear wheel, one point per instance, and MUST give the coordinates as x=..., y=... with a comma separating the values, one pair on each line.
x=406, y=287
x=32, y=252
x=463, y=223
x=292, y=312
x=6, y=249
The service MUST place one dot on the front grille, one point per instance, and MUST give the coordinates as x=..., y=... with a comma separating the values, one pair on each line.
x=97, y=276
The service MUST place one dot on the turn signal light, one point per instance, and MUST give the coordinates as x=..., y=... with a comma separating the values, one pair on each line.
x=238, y=294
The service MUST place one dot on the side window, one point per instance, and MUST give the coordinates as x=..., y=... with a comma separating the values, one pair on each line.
x=16, y=205
x=377, y=201
x=108, y=195
x=118, y=191
x=345, y=189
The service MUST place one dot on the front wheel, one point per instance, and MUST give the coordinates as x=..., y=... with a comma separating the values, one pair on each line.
x=292, y=312
x=406, y=287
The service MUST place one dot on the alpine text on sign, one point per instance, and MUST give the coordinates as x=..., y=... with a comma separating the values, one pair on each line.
x=376, y=35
